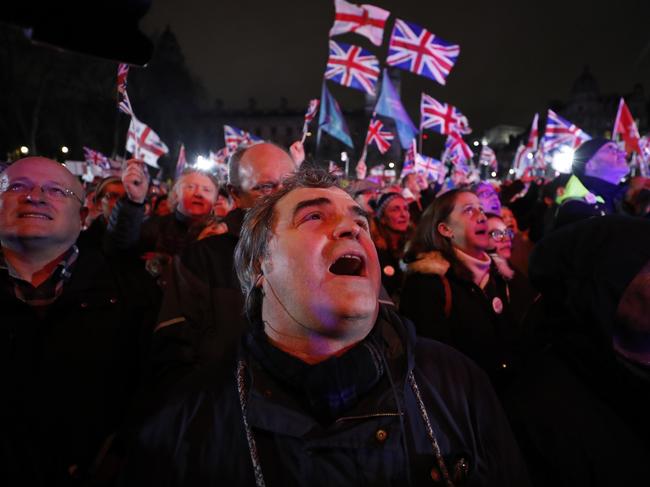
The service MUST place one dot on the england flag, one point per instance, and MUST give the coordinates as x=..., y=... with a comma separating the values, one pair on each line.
x=144, y=143
x=365, y=20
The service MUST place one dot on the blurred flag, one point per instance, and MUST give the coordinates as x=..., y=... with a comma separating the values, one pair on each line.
x=310, y=114
x=123, y=103
x=96, y=158
x=334, y=169
x=182, y=161
x=376, y=135
x=488, y=157
x=235, y=137
x=353, y=67
x=427, y=165
x=442, y=117
x=365, y=20
x=331, y=119
x=361, y=169
x=415, y=49
x=626, y=127
x=144, y=143
x=533, y=136
x=561, y=132
x=220, y=157
x=409, y=160
x=456, y=150
x=389, y=105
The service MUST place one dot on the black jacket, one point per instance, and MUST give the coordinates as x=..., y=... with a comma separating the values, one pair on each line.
x=480, y=322
x=200, y=438
x=69, y=373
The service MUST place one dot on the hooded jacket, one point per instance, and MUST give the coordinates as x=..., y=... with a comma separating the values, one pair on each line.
x=478, y=322
x=242, y=424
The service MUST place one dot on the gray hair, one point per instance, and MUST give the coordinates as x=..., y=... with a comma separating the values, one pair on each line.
x=257, y=230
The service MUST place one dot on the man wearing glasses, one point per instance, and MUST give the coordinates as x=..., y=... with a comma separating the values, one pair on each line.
x=70, y=329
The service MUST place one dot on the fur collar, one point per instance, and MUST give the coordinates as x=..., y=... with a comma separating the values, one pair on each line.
x=429, y=263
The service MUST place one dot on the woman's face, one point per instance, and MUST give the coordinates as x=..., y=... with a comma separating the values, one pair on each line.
x=467, y=225
x=396, y=215
x=500, y=237
x=509, y=219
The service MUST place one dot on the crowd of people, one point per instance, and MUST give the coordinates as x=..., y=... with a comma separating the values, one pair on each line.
x=289, y=327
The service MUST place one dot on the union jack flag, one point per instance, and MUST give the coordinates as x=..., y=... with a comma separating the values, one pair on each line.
x=561, y=132
x=427, y=165
x=442, y=117
x=488, y=157
x=122, y=73
x=382, y=139
x=365, y=20
x=124, y=104
x=534, y=134
x=182, y=161
x=415, y=49
x=96, y=158
x=312, y=110
x=353, y=67
x=456, y=150
x=235, y=137
x=220, y=157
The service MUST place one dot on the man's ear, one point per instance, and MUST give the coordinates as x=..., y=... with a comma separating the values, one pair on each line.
x=444, y=230
x=234, y=193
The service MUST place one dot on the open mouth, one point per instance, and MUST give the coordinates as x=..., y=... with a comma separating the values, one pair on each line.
x=348, y=265
x=39, y=216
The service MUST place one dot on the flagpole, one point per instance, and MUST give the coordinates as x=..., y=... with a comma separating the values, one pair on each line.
x=420, y=141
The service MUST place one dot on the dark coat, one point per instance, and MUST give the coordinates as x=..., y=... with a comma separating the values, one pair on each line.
x=200, y=438
x=69, y=373
x=473, y=326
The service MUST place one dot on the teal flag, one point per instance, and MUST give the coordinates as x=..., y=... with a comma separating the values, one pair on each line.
x=331, y=119
x=389, y=105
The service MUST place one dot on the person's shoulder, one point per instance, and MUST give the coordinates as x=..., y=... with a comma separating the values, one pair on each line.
x=202, y=255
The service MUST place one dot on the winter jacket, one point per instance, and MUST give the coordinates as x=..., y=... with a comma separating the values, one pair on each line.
x=446, y=306
x=240, y=425
x=69, y=371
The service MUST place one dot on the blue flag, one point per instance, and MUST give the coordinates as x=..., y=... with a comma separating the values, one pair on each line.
x=331, y=119
x=389, y=105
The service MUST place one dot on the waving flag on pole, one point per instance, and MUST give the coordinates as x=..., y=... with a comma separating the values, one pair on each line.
x=123, y=103
x=361, y=170
x=96, y=158
x=376, y=135
x=310, y=114
x=488, y=157
x=415, y=49
x=353, y=67
x=442, y=117
x=144, y=143
x=182, y=161
x=456, y=150
x=235, y=137
x=427, y=165
x=389, y=105
x=365, y=20
x=561, y=132
x=626, y=127
x=331, y=119
x=533, y=136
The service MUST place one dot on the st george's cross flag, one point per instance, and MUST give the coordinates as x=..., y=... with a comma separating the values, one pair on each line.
x=144, y=143
x=365, y=20
x=560, y=132
x=353, y=67
x=442, y=117
x=415, y=49
x=626, y=127
x=378, y=136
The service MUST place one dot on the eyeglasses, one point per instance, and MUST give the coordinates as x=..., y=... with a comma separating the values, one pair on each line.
x=265, y=188
x=500, y=235
x=51, y=191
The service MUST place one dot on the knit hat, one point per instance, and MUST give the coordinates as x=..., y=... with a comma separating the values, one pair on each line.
x=585, y=152
x=101, y=187
x=383, y=201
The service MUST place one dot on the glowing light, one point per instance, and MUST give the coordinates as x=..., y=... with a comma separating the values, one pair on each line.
x=529, y=155
x=493, y=174
x=344, y=156
x=563, y=160
x=24, y=149
x=511, y=171
x=64, y=149
x=308, y=134
x=203, y=163
x=475, y=143
x=391, y=165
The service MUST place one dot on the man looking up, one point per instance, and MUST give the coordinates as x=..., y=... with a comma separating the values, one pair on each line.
x=71, y=325
x=328, y=387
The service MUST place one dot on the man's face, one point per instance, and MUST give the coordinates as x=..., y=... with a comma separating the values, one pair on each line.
x=321, y=265
x=489, y=198
x=29, y=214
x=112, y=193
x=261, y=170
x=223, y=205
x=608, y=163
x=196, y=195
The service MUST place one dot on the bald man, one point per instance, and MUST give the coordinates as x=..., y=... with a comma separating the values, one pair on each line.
x=71, y=324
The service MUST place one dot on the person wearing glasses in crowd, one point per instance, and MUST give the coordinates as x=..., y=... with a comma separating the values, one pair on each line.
x=106, y=194
x=454, y=292
x=72, y=327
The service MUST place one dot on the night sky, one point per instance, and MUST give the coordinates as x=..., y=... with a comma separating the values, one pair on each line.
x=515, y=57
